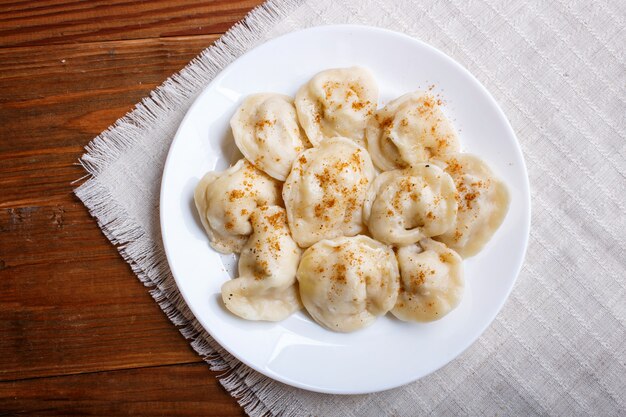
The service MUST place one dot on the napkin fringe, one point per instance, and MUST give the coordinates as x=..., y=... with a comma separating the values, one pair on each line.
x=147, y=258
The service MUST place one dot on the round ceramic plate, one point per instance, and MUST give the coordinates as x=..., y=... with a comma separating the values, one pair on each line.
x=297, y=351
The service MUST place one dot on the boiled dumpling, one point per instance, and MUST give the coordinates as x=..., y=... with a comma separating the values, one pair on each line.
x=431, y=281
x=266, y=131
x=346, y=283
x=404, y=206
x=483, y=204
x=337, y=102
x=225, y=200
x=266, y=288
x=325, y=190
x=409, y=130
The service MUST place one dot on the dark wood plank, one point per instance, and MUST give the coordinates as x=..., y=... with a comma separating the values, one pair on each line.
x=46, y=233
x=182, y=390
x=45, y=22
x=38, y=177
x=62, y=96
x=69, y=303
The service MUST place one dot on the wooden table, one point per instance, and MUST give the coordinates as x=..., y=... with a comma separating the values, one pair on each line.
x=79, y=334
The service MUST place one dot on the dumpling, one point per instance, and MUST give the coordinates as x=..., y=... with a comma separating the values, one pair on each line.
x=337, y=102
x=404, y=206
x=346, y=283
x=225, y=200
x=409, y=130
x=267, y=133
x=483, y=203
x=431, y=281
x=266, y=288
x=325, y=190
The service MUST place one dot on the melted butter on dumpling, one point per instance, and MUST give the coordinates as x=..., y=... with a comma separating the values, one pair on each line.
x=346, y=283
x=225, y=200
x=404, y=206
x=266, y=288
x=267, y=133
x=337, y=102
x=431, y=281
x=409, y=130
x=483, y=203
x=325, y=190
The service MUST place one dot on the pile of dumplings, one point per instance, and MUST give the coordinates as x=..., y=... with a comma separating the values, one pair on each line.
x=349, y=210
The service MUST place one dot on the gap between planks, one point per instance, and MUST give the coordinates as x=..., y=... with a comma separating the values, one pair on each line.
x=112, y=42
x=120, y=369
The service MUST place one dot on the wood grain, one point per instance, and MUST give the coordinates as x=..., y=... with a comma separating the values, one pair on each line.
x=64, y=95
x=79, y=333
x=45, y=22
x=179, y=390
x=70, y=311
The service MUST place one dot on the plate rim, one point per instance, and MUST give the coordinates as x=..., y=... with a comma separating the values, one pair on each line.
x=526, y=194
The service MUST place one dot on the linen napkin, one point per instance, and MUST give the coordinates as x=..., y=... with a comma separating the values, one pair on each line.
x=558, y=70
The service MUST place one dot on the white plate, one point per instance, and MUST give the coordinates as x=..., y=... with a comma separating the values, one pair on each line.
x=297, y=351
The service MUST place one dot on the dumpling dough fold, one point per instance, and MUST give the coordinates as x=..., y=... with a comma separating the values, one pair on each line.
x=404, y=206
x=409, y=130
x=346, y=283
x=325, y=190
x=337, y=102
x=266, y=288
x=431, y=281
x=483, y=203
x=225, y=200
x=267, y=133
